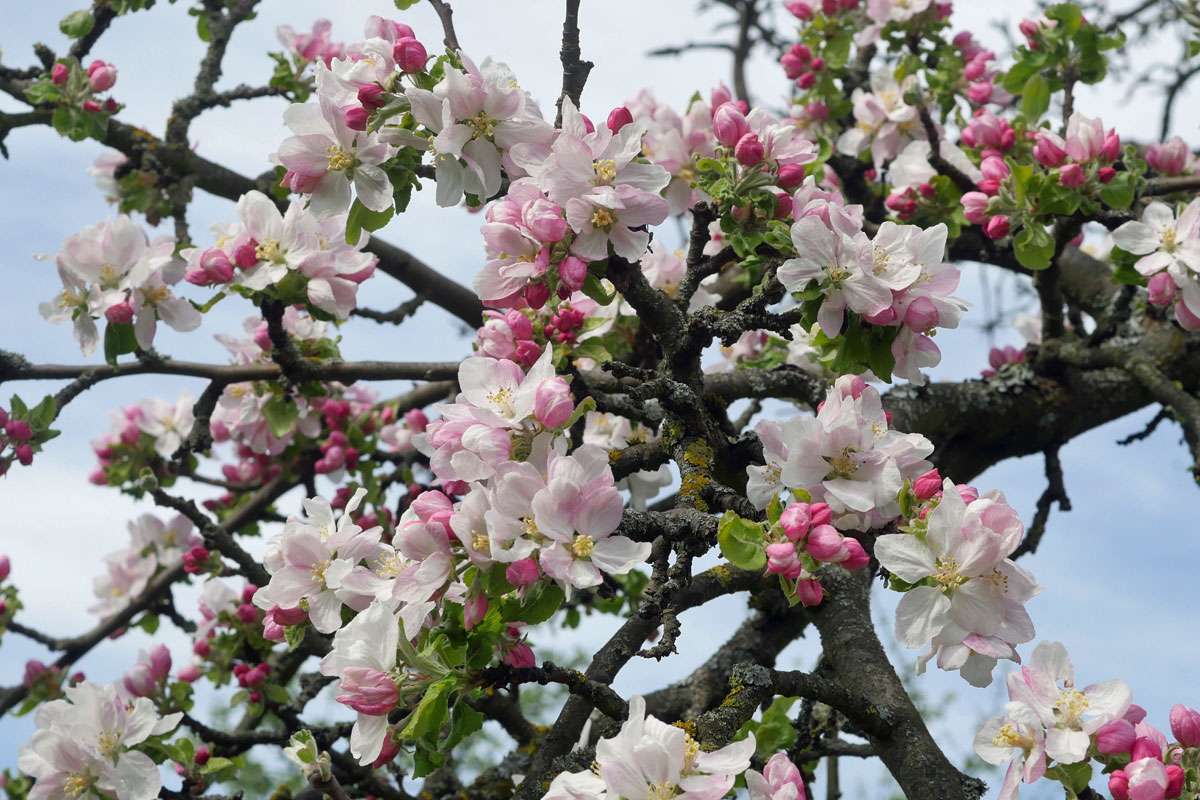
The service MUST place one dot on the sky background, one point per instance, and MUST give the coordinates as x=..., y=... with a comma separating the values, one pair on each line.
x=1117, y=570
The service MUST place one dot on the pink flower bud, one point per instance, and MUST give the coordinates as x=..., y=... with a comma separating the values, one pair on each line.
x=1105, y=174
x=791, y=176
x=1175, y=777
x=159, y=660
x=202, y=755
x=995, y=168
x=519, y=324
x=1144, y=747
x=202, y=648
x=371, y=96
x=1115, y=737
x=245, y=255
x=18, y=430
x=729, y=125
x=783, y=205
x=189, y=674
x=545, y=220
x=882, y=318
x=536, y=294
x=997, y=227
x=980, y=92
x=969, y=494
x=24, y=453
x=810, y=592
x=825, y=544
x=903, y=203
x=138, y=681
x=247, y=613
x=856, y=556
x=356, y=118
x=921, y=315
x=522, y=573
x=1185, y=724
x=101, y=76
x=800, y=10
x=91, y=106
x=410, y=55
x=820, y=514
x=618, y=118
x=474, y=610
x=927, y=485
x=5, y=567
x=572, y=272
x=719, y=97
x=783, y=560
x=1111, y=149
x=1170, y=157
x=749, y=150
x=1134, y=713
x=795, y=521
x=59, y=74
x=975, y=207
x=1186, y=319
x=553, y=402
x=807, y=80
x=367, y=691
x=1049, y=150
x=588, y=125
x=119, y=313
x=1162, y=289
x=216, y=264
x=1118, y=785
x=793, y=66
x=520, y=656
x=34, y=670
x=528, y=353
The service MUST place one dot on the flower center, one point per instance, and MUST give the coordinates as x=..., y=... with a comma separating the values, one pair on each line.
x=1169, y=241
x=606, y=171
x=946, y=574
x=691, y=751
x=78, y=785
x=109, y=275
x=837, y=273
x=72, y=298
x=1009, y=736
x=318, y=571
x=481, y=544
x=661, y=791
x=1069, y=707
x=269, y=251
x=844, y=465
x=483, y=125
x=110, y=744
x=583, y=545
x=603, y=219
x=881, y=259
x=155, y=294
x=339, y=159
x=502, y=399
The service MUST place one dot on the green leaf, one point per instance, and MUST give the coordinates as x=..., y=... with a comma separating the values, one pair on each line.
x=1035, y=97
x=1034, y=247
x=362, y=219
x=741, y=542
x=77, y=23
x=118, y=340
x=404, y=5
x=43, y=413
x=1119, y=192
x=216, y=764
x=1075, y=777
x=539, y=604
x=281, y=414
x=594, y=289
x=426, y=721
x=148, y=623
x=1020, y=72
x=593, y=349
x=1068, y=15
x=277, y=694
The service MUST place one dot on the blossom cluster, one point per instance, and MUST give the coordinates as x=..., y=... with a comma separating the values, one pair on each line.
x=153, y=545
x=1049, y=724
x=114, y=271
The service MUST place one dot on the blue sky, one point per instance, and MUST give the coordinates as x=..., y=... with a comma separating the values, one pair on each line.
x=1117, y=570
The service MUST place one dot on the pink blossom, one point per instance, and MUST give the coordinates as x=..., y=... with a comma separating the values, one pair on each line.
x=1172, y=157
